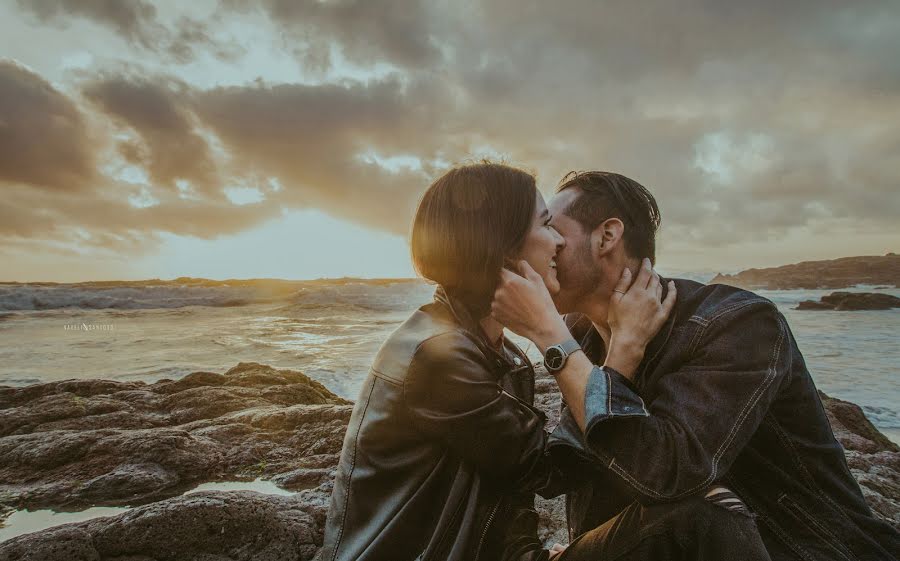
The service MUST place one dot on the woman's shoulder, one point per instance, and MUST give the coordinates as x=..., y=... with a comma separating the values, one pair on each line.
x=425, y=340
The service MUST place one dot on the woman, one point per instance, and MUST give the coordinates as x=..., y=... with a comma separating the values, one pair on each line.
x=444, y=449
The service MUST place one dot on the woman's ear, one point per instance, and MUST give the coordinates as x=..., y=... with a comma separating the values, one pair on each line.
x=606, y=237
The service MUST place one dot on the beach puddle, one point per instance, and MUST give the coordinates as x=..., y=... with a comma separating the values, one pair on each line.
x=28, y=521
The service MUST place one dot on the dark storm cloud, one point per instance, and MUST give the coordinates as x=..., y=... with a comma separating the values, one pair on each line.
x=745, y=119
x=314, y=139
x=137, y=22
x=43, y=137
x=106, y=220
x=365, y=32
x=170, y=149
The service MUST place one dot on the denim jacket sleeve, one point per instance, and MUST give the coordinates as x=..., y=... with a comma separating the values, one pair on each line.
x=703, y=413
x=453, y=395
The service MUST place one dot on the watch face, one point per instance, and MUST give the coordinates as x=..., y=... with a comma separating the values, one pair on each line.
x=553, y=359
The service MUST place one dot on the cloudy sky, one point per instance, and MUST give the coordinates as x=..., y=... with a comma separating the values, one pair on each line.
x=292, y=138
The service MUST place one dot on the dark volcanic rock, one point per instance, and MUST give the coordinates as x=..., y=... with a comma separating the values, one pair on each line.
x=131, y=445
x=80, y=443
x=233, y=526
x=841, y=301
x=813, y=305
x=835, y=273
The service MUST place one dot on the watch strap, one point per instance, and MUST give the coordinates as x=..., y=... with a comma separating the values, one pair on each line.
x=555, y=356
x=569, y=346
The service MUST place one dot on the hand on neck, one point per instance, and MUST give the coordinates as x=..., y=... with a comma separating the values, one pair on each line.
x=596, y=306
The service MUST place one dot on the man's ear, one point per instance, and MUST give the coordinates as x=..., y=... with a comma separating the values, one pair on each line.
x=606, y=237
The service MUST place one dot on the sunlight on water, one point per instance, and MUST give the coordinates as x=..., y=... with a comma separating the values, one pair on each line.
x=333, y=332
x=27, y=521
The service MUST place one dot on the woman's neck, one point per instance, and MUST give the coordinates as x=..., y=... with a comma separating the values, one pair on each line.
x=494, y=331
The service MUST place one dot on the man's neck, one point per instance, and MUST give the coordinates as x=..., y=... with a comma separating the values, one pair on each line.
x=596, y=307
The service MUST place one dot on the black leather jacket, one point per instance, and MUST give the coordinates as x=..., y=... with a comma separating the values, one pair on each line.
x=443, y=451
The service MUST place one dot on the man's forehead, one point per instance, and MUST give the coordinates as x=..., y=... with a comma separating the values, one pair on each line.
x=561, y=201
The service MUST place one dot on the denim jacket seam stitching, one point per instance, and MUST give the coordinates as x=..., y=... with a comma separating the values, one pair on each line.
x=337, y=543
x=705, y=323
x=608, y=392
x=782, y=436
x=815, y=527
x=737, y=306
x=785, y=537
x=757, y=394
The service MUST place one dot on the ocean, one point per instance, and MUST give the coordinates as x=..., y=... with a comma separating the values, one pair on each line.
x=331, y=330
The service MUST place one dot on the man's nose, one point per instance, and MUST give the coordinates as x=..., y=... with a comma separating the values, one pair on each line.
x=560, y=240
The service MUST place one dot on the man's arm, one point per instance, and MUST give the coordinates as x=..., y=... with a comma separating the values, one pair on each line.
x=703, y=414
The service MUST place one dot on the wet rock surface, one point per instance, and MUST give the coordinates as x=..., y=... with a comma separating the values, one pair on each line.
x=74, y=444
x=847, y=301
x=80, y=443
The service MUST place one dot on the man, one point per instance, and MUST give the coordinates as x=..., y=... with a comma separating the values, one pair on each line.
x=719, y=407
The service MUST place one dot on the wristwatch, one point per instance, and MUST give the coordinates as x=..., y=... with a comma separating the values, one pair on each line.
x=555, y=356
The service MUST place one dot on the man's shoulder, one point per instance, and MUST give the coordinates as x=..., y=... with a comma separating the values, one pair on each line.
x=708, y=303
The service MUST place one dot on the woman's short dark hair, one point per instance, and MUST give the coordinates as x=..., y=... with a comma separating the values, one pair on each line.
x=604, y=195
x=468, y=222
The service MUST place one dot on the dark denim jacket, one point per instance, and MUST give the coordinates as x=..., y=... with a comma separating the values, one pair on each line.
x=722, y=396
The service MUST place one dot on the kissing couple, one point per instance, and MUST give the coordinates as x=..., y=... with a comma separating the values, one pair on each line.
x=690, y=429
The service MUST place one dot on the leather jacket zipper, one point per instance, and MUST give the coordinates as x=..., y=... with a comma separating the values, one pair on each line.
x=487, y=527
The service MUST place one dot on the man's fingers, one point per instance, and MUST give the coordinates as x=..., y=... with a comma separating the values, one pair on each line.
x=659, y=292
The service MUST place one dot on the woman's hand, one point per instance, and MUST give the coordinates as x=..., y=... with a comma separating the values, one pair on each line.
x=636, y=313
x=523, y=305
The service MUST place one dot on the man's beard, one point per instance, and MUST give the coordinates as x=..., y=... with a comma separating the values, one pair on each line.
x=584, y=279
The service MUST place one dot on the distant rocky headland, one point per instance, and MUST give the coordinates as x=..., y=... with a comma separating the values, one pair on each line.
x=77, y=443
x=835, y=273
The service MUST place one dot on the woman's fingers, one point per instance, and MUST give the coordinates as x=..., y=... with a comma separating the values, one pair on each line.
x=528, y=272
x=622, y=286
x=644, y=274
x=669, y=303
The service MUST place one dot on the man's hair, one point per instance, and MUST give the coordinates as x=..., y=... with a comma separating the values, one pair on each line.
x=604, y=195
x=468, y=222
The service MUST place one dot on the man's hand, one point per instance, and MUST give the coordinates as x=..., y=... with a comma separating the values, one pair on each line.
x=636, y=314
x=556, y=551
x=523, y=305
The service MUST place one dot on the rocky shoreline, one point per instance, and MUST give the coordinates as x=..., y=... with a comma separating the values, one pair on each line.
x=79, y=443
